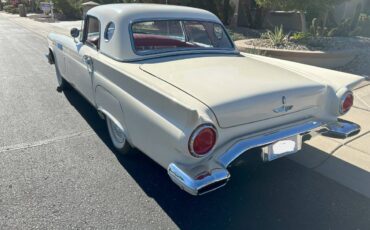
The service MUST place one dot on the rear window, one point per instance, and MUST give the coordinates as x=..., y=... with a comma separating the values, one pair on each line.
x=170, y=35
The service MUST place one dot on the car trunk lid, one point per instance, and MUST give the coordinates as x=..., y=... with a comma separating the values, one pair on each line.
x=240, y=90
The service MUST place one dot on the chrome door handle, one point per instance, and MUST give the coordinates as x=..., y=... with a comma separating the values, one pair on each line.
x=89, y=63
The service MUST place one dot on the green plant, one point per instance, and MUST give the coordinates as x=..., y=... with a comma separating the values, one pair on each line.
x=276, y=37
x=70, y=8
x=301, y=36
x=7, y=8
x=316, y=30
x=11, y=9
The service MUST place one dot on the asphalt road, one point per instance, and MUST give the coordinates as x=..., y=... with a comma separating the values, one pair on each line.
x=58, y=169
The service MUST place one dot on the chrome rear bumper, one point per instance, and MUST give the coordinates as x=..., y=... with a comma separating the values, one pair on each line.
x=342, y=129
x=206, y=178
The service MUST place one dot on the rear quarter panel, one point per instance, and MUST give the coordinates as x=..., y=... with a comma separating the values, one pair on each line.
x=158, y=118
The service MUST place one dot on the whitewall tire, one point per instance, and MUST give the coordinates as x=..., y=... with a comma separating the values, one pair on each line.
x=118, y=137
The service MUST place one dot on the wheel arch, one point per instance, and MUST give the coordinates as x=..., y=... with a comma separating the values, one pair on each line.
x=108, y=106
x=51, y=56
x=106, y=114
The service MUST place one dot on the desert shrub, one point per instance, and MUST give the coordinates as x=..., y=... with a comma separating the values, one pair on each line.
x=317, y=29
x=11, y=9
x=301, y=37
x=7, y=8
x=276, y=37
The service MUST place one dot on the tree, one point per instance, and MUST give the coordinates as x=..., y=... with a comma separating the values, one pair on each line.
x=221, y=8
x=69, y=8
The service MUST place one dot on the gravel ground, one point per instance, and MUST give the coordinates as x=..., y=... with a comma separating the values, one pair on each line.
x=242, y=33
x=322, y=44
x=360, y=65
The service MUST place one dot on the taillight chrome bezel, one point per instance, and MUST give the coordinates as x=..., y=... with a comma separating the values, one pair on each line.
x=343, y=99
x=195, y=133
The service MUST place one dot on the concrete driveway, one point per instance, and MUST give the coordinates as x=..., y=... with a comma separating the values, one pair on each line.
x=59, y=170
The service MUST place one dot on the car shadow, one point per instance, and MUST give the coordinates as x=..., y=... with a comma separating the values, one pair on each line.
x=277, y=195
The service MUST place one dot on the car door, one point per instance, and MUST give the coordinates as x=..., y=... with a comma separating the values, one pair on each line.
x=82, y=69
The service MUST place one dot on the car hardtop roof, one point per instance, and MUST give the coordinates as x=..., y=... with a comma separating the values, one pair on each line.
x=142, y=11
x=120, y=47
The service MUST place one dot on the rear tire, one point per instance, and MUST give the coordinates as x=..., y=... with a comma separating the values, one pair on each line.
x=118, y=137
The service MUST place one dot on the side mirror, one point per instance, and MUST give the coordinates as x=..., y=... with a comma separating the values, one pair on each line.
x=75, y=32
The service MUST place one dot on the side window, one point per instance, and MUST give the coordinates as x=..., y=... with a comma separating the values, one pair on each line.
x=109, y=31
x=92, y=32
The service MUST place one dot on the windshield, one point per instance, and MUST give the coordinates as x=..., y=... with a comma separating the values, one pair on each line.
x=170, y=35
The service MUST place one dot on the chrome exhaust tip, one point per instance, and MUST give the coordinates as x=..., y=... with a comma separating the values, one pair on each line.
x=201, y=182
x=342, y=129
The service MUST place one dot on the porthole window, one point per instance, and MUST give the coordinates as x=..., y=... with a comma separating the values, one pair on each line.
x=109, y=31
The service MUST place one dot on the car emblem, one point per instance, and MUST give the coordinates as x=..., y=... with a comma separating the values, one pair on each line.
x=284, y=108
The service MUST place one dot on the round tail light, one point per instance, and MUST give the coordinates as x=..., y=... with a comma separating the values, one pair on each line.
x=346, y=103
x=202, y=140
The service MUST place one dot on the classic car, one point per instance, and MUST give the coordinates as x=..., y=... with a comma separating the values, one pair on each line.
x=170, y=82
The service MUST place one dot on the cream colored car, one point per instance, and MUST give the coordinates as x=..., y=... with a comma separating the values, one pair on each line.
x=170, y=82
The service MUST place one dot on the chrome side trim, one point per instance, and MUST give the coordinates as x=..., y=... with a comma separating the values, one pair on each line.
x=239, y=148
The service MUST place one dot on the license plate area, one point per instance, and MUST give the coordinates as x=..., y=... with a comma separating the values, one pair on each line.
x=282, y=148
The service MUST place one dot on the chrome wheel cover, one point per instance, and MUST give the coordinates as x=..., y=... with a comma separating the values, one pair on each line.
x=116, y=134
